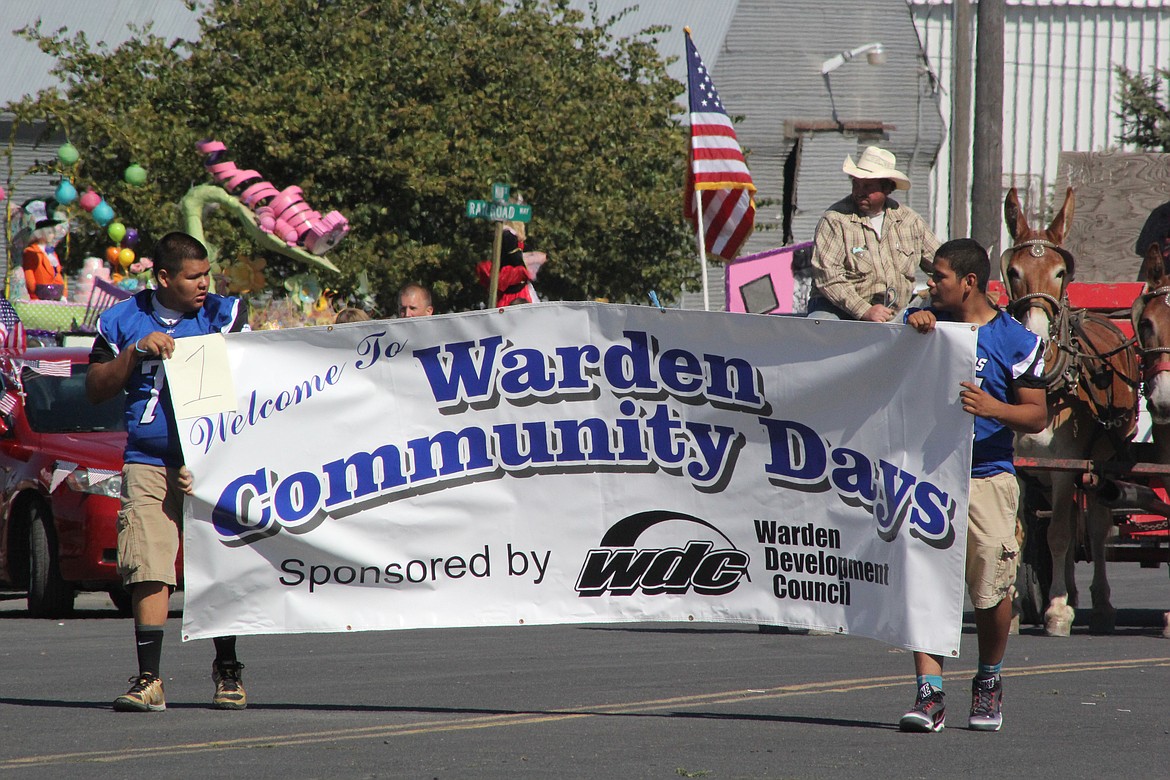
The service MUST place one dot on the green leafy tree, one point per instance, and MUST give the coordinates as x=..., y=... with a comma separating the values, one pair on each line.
x=396, y=112
x=1145, y=119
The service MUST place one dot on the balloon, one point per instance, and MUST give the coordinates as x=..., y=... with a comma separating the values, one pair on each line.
x=131, y=238
x=116, y=231
x=103, y=214
x=66, y=192
x=135, y=175
x=90, y=200
x=67, y=154
x=111, y=254
x=125, y=257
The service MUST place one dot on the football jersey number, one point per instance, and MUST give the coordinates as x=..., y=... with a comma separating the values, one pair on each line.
x=152, y=367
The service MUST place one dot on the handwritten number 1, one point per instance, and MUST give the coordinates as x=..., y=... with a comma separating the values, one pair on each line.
x=202, y=362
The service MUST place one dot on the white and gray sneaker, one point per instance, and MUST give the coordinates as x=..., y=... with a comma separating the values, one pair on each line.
x=986, y=704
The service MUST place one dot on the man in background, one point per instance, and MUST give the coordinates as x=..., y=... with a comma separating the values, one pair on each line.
x=414, y=300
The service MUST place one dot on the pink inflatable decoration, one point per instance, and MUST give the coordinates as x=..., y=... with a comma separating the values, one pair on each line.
x=91, y=268
x=283, y=213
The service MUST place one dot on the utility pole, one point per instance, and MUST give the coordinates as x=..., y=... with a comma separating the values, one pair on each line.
x=961, y=118
x=987, y=151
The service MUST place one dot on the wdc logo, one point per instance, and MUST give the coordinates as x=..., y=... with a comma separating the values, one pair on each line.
x=619, y=567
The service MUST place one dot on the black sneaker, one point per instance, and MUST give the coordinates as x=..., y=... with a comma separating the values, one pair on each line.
x=986, y=704
x=929, y=712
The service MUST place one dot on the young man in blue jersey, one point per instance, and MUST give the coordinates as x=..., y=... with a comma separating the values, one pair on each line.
x=134, y=337
x=1009, y=396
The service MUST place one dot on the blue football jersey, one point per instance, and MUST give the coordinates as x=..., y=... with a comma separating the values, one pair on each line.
x=1007, y=356
x=152, y=436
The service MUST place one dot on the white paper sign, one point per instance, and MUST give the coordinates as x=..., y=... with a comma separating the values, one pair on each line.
x=580, y=463
x=199, y=377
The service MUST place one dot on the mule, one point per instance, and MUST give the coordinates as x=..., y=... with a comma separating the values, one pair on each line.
x=1151, y=325
x=1150, y=316
x=1091, y=369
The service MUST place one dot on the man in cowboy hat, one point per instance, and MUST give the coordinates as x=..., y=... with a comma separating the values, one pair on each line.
x=868, y=245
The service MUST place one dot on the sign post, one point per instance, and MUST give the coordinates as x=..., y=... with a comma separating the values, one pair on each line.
x=498, y=210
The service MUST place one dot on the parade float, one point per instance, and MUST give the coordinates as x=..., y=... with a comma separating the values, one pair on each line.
x=276, y=220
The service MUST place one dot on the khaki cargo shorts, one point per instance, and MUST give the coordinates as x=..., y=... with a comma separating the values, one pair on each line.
x=149, y=524
x=993, y=554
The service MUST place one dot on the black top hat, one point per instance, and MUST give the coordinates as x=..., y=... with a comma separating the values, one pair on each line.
x=46, y=219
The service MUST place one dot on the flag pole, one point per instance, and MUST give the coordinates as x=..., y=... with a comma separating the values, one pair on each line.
x=699, y=213
x=702, y=249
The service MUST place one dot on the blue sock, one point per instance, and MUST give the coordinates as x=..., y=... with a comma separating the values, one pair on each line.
x=989, y=670
x=935, y=680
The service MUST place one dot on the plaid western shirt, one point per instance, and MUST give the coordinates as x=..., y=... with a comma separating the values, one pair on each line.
x=853, y=268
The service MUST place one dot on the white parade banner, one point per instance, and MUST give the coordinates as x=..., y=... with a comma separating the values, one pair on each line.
x=583, y=463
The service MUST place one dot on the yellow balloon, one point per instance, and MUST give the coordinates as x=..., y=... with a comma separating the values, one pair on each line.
x=125, y=257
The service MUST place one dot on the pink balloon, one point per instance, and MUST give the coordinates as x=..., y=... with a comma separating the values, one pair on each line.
x=90, y=200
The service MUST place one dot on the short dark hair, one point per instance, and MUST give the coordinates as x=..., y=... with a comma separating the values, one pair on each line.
x=967, y=256
x=173, y=249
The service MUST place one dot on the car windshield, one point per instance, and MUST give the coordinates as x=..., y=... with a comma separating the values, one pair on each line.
x=57, y=404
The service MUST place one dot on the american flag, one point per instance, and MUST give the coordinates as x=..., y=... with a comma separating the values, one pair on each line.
x=7, y=403
x=52, y=367
x=716, y=167
x=12, y=336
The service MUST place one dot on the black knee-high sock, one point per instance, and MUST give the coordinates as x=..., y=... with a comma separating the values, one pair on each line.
x=148, y=641
x=225, y=649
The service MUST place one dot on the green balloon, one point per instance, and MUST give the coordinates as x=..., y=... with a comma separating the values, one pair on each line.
x=116, y=232
x=67, y=154
x=135, y=174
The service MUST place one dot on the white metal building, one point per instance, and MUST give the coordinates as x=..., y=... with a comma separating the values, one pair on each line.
x=1060, y=83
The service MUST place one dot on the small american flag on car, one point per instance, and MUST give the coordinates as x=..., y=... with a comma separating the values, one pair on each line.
x=52, y=367
x=7, y=403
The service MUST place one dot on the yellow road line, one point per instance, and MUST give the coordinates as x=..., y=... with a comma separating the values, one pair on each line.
x=551, y=716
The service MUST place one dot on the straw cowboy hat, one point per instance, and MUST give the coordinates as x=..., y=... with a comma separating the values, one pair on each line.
x=876, y=163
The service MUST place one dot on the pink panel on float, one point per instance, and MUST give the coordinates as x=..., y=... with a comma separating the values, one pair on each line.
x=762, y=283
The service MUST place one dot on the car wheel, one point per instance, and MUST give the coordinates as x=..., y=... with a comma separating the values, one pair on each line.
x=49, y=596
x=122, y=601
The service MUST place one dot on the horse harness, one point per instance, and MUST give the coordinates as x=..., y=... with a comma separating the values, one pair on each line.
x=1075, y=356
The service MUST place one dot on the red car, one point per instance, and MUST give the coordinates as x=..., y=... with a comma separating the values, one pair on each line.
x=60, y=481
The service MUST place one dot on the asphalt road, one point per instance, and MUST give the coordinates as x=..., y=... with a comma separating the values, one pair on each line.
x=641, y=700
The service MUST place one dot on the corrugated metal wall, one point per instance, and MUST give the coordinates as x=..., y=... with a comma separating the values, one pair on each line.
x=28, y=186
x=1060, y=89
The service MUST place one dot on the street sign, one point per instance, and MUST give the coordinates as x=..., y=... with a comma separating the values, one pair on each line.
x=510, y=212
x=499, y=212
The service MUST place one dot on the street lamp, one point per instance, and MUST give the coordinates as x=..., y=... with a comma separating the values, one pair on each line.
x=875, y=54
